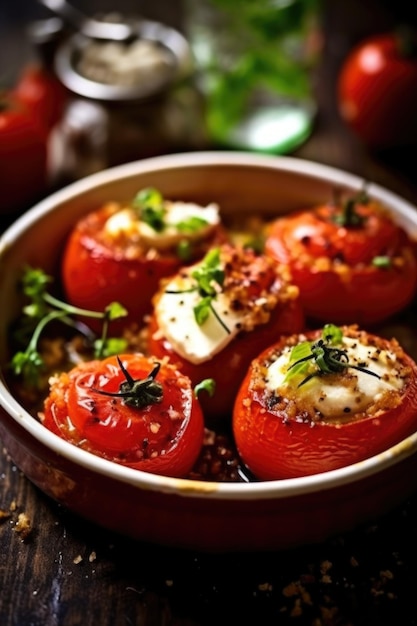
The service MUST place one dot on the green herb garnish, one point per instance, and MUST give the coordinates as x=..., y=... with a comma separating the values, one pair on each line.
x=323, y=355
x=45, y=308
x=208, y=277
x=349, y=216
x=208, y=385
x=149, y=204
x=192, y=224
x=382, y=261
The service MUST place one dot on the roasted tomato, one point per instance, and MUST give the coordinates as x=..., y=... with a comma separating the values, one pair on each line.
x=130, y=410
x=350, y=260
x=322, y=400
x=120, y=252
x=377, y=90
x=212, y=318
x=23, y=156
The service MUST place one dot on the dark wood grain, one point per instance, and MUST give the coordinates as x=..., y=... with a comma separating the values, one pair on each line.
x=67, y=572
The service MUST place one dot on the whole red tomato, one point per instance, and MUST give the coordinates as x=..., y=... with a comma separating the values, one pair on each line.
x=256, y=278
x=127, y=410
x=350, y=260
x=23, y=156
x=290, y=430
x=377, y=90
x=41, y=91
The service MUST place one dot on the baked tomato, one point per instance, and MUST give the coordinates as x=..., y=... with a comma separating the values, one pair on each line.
x=23, y=156
x=350, y=260
x=129, y=409
x=377, y=90
x=213, y=318
x=322, y=400
x=121, y=252
x=42, y=92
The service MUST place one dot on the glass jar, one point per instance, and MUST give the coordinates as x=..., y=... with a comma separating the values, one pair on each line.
x=255, y=62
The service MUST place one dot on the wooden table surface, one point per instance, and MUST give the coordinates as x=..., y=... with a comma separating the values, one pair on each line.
x=67, y=572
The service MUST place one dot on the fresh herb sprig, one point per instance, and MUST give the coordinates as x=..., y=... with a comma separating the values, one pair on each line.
x=325, y=356
x=45, y=308
x=149, y=204
x=349, y=217
x=208, y=278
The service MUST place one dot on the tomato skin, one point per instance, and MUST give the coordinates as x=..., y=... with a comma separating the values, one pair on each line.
x=377, y=92
x=23, y=156
x=42, y=92
x=274, y=448
x=94, y=274
x=173, y=429
x=332, y=264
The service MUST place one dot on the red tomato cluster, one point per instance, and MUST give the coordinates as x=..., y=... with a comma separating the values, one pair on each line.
x=345, y=262
x=28, y=111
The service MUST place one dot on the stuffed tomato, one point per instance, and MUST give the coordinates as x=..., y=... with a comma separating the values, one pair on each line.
x=350, y=260
x=119, y=253
x=129, y=409
x=211, y=319
x=322, y=400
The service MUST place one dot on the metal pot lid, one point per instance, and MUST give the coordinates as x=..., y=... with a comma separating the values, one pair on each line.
x=113, y=71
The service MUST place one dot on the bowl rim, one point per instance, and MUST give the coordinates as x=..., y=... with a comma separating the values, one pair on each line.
x=265, y=490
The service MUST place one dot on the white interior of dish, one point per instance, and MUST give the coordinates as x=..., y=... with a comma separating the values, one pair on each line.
x=282, y=184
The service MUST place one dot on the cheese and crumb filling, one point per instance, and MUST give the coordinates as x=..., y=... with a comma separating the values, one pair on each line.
x=339, y=396
x=180, y=221
x=240, y=304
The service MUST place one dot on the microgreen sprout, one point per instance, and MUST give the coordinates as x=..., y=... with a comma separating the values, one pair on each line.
x=149, y=204
x=208, y=279
x=192, y=224
x=324, y=355
x=207, y=384
x=45, y=308
x=382, y=261
x=349, y=216
x=137, y=393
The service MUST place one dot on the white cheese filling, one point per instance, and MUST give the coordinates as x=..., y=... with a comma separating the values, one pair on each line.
x=177, y=322
x=125, y=222
x=334, y=399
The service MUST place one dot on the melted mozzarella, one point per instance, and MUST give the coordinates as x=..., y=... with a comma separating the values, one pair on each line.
x=177, y=323
x=125, y=222
x=335, y=399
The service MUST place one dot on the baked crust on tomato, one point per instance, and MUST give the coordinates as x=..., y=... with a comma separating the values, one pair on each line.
x=289, y=431
x=85, y=406
x=350, y=260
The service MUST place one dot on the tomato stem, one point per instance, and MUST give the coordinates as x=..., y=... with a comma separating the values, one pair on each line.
x=137, y=393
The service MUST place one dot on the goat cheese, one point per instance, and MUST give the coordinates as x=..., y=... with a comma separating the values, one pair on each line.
x=125, y=222
x=333, y=395
x=195, y=342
